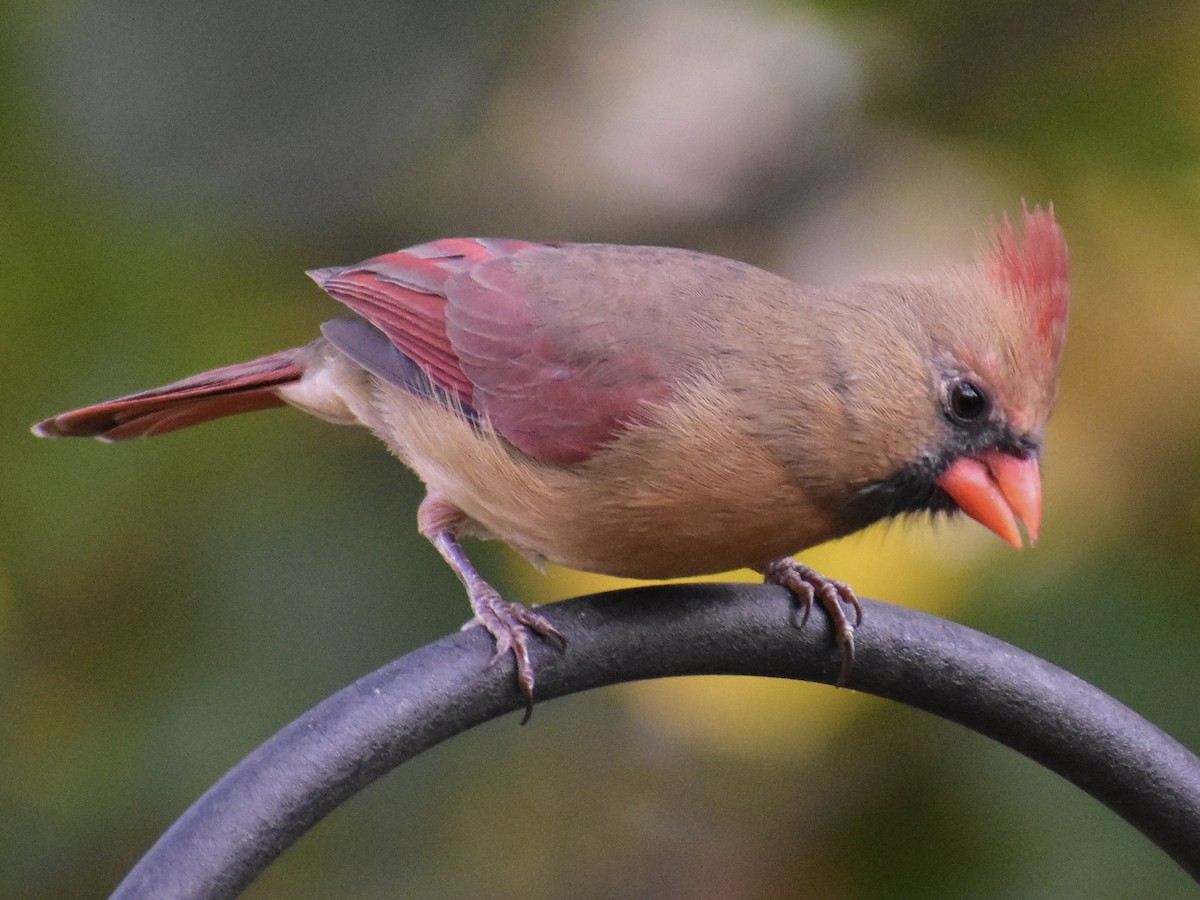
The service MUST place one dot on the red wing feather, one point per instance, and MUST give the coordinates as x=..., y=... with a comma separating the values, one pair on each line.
x=461, y=310
x=547, y=389
x=403, y=294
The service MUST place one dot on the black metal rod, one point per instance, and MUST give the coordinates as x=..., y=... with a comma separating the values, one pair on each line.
x=236, y=829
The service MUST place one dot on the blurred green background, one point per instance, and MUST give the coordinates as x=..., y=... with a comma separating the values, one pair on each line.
x=167, y=172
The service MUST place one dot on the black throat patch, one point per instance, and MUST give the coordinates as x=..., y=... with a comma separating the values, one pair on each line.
x=913, y=487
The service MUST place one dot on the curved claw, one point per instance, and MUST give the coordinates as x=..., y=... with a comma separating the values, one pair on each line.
x=510, y=624
x=508, y=621
x=808, y=585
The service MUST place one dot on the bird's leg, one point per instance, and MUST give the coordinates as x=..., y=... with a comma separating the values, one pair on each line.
x=508, y=621
x=807, y=585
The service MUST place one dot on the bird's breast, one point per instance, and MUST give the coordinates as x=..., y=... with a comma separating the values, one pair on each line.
x=684, y=492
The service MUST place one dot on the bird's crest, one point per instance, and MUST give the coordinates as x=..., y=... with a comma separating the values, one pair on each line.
x=1033, y=265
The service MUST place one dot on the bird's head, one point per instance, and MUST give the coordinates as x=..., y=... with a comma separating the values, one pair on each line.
x=999, y=377
x=990, y=341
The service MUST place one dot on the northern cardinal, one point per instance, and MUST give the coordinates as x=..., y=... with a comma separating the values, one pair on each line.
x=655, y=413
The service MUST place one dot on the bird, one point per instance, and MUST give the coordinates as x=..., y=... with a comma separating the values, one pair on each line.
x=654, y=413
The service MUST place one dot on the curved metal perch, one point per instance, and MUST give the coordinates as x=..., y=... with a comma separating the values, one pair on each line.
x=234, y=831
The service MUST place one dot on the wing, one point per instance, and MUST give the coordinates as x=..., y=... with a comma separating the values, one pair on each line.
x=555, y=380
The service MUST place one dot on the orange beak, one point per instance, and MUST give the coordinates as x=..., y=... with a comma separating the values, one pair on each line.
x=997, y=489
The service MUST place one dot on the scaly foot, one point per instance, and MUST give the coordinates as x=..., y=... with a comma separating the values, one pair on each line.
x=807, y=585
x=511, y=623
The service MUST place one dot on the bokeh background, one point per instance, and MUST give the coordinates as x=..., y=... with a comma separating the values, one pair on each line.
x=167, y=172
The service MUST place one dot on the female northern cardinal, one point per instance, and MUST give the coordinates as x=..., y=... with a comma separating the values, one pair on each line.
x=655, y=413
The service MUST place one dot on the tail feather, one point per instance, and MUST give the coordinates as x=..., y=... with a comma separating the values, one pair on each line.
x=239, y=388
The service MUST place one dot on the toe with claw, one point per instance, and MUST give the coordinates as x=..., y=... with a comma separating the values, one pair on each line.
x=808, y=585
x=511, y=624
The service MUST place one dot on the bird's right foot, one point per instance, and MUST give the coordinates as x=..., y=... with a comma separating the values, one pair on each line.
x=808, y=585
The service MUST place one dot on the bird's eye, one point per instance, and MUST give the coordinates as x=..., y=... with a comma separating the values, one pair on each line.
x=967, y=401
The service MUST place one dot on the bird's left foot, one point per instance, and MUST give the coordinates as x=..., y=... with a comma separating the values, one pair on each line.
x=808, y=585
x=511, y=623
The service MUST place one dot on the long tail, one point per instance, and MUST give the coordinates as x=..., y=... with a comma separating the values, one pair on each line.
x=244, y=387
